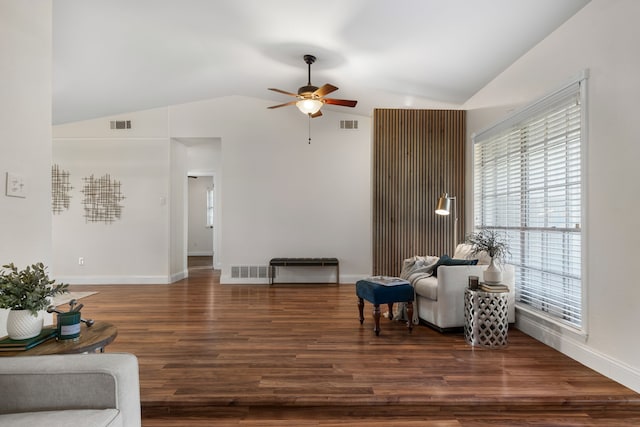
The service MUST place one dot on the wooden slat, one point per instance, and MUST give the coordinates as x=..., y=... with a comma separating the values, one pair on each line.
x=417, y=155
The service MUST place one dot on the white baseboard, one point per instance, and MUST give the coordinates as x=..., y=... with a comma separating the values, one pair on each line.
x=580, y=351
x=179, y=276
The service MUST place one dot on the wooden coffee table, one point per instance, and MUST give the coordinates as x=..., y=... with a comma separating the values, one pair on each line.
x=92, y=339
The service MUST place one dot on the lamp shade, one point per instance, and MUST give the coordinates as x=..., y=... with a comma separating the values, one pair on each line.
x=444, y=205
x=309, y=106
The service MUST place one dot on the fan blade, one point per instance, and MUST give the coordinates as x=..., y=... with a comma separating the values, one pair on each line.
x=318, y=114
x=342, y=102
x=282, y=105
x=324, y=90
x=283, y=92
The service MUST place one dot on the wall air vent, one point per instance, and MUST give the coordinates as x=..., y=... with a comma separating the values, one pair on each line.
x=120, y=124
x=249, y=272
x=348, y=124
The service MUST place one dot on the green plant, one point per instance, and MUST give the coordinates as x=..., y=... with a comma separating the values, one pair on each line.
x=489, y=241
x=27, y=289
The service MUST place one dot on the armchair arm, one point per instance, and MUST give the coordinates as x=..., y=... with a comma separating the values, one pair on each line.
x=82, y=381
x=454, y=279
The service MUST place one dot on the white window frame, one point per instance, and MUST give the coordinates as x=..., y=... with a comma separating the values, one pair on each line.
x=210, y=203
x=517, y=120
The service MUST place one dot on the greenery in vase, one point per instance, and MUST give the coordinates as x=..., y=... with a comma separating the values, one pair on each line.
x=27, y=289
x=489, y=241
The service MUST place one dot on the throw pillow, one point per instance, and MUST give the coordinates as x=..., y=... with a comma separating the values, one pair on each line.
x=447, y=260
x=465, y=251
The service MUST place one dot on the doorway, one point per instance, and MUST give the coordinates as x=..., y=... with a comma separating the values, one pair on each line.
x=203, y=165
x=201, y=228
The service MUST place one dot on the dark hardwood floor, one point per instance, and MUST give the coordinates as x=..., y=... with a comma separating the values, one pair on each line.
x=296, y=355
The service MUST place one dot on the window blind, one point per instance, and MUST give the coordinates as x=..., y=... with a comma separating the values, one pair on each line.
x=528, y=185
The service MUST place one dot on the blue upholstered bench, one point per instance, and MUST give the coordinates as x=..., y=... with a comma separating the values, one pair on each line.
x=384, y=290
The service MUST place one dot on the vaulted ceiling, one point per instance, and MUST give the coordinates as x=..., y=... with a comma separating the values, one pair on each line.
x=117, y=56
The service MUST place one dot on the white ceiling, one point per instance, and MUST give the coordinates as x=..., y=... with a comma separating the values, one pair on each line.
x=118, y=56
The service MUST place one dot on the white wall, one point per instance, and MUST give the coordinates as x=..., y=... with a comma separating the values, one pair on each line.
x=135, y=248
x=282, y=196
x=25, y=133
x=25, y=130
x=178, y=211
x=204, y=155
x=602, y=37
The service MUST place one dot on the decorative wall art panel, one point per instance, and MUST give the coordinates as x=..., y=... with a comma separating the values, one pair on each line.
x=102, y=197
x=60, y=190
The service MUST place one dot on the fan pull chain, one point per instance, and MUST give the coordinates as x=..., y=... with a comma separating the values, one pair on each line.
x=309, y=128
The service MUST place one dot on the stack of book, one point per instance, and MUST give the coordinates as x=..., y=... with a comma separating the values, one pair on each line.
x=493, y=287
x=7, y=344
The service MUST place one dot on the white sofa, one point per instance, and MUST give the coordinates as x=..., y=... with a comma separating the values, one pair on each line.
x=440, y=300
x=80, y=390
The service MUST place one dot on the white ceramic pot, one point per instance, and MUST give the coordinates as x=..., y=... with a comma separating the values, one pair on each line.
x=493, y=273
x=21, y=324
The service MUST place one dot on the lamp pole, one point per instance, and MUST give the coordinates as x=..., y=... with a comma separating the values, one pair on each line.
x=455, y=225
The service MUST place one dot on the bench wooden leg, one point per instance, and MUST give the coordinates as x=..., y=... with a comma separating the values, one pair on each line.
x=360, y=309
x=376, y=318
x=410, y=315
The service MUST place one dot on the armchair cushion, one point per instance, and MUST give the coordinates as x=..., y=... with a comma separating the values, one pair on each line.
x=465, y=251
x=427, y=287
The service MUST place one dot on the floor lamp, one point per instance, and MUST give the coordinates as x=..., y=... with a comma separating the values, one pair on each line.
x=444, y=208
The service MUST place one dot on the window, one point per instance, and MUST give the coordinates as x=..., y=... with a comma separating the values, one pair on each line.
x=528, y=185
x=209, y=207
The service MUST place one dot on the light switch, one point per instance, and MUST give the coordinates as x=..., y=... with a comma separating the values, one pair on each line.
x=16, y=186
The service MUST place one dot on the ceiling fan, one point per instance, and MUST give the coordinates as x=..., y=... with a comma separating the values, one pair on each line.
x=312, y=98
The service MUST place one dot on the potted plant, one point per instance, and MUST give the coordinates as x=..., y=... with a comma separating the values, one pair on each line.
x=494, y=244
x=26, y=294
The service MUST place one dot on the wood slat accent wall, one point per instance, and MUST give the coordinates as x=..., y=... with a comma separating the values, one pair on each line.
x=417, y=155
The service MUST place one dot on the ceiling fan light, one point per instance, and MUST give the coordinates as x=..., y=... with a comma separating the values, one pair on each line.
x=309, y=106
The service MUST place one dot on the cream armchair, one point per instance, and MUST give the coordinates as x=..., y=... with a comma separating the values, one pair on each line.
x=82, y=390
x=440, y=300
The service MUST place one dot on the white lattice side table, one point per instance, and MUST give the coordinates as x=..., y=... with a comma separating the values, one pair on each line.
x=486, y=321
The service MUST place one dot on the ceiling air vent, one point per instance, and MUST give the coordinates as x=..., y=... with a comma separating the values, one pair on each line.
x=120, y=124
x=348, y=124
